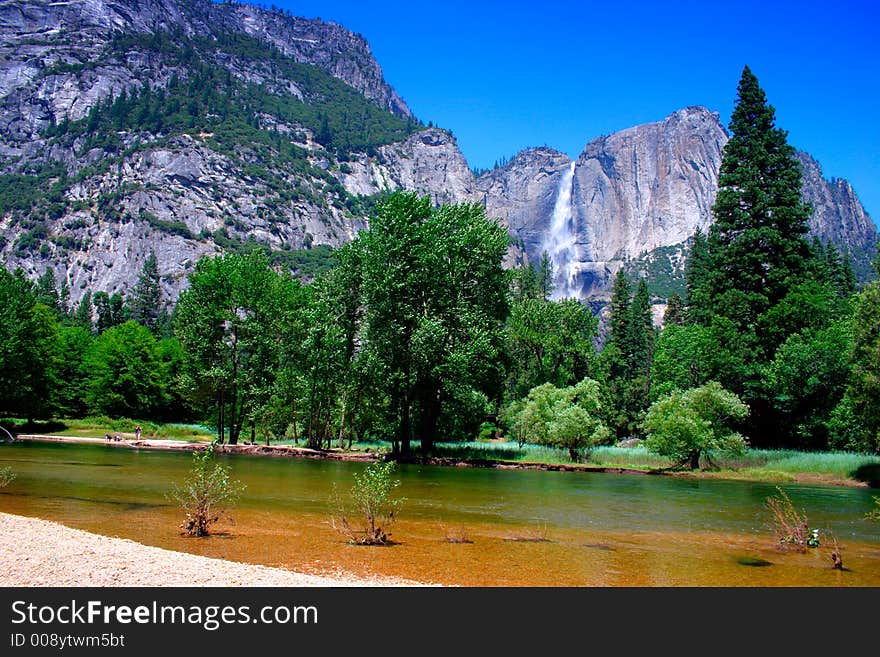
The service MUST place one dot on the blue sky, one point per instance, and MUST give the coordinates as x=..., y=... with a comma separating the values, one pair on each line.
x=504, y=76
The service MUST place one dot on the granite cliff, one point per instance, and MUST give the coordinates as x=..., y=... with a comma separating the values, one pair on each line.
x=186, y=127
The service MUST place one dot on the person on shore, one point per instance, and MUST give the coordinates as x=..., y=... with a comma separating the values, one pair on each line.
x=137, y=432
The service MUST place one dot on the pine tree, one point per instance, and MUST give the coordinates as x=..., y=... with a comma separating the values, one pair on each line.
x=697, y=271
x=757, y=244
x=64, y=298
x=83, y=314
x=674, y=314
x=546, y=276
x=111, y=310
x=640, y=338
x=146, y=295
x=620, y=313
x=47, y=291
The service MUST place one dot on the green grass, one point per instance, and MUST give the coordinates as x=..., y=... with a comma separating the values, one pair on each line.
x=778, y=465
x=756, y=464
x=98, y=426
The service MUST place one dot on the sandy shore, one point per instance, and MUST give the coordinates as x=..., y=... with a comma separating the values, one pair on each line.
x=38, y=552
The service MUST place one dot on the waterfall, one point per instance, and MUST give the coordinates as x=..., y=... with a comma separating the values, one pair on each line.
x=561, y=242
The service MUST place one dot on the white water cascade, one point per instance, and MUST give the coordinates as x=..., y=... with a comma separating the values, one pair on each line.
x=561, y=242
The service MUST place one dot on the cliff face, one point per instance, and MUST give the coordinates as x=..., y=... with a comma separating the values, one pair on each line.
x=186, y=127
x=641, y=190
x=838, y=215
x=55, y=64
x=252, y=167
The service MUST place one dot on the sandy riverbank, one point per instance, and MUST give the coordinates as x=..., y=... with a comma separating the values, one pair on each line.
x=38, y=552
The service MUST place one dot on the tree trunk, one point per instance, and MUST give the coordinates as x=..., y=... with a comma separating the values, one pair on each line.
x=405, y=426
x=695, y=460
x=574, y=455
x=429, y=420
x=341, y=440
x=220, y=432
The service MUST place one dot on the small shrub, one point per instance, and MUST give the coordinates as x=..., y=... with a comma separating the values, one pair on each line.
x=789, y=525
x=875, y=514
x=487, y=431
x=456, y=535
x=836, y=552
x=373, y=506
x=6, y=476
x=206, y=494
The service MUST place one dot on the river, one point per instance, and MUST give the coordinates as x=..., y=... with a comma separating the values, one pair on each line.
x=523, y=527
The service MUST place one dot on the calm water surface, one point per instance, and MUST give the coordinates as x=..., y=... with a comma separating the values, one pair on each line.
x=527, y=527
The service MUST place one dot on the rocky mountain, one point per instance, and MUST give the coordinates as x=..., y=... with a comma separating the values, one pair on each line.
x=634, y=198
x=187, y=127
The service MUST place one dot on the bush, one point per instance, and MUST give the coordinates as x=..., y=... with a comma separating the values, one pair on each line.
x=683, y=426
x=373, y=505
x=6, y=476
x=789, y=525
x=875, y=514
x=205, y=496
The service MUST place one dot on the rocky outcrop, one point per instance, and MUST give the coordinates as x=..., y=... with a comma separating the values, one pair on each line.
x=643, y=189
x=838, y=216
x=183, y=195
x=54, y=63
x=429, y=162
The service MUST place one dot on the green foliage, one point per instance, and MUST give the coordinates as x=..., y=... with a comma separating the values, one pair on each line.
x=82, y=316
x=434, y=293
x=146, y=296
x=663, y=268
x=856, y=421
x=488, y=431
x=875, y=514
x=111, y=310
x=626, y=357
x=233, y=322
x=806, y=380
x=207, y=493
x=687, y=425
x=549, y=342
x=28, y=347
x=71, y=374
x=757, y=249
x=126, y=377
x=47, y=291
x=371, y=496
x=6, y=476
x=568, y=418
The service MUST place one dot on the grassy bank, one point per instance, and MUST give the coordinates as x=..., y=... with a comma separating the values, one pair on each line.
x=97, y=427
x=778, y=465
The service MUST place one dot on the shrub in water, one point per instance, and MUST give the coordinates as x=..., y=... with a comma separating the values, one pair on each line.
x=373, y=506
x=206, y=494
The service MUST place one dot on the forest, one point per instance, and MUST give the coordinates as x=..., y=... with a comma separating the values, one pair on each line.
x=419, y=335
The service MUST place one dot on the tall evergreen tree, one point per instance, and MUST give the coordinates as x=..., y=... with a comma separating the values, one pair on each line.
x=620, y=313
x=640, y=339
x=546, y=276
x=757, y=244
x=111, y=310
x=146, y=295
x=674, y=314
x=64, y=299
x=82, y=316
x=47, y=290
x=696, y=273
